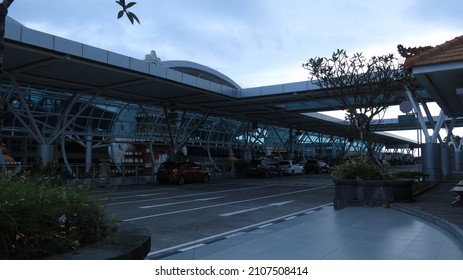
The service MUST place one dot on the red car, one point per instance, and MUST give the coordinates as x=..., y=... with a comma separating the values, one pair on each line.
x=182, y=172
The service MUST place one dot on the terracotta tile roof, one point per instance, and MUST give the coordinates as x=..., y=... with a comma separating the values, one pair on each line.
x=447, y=52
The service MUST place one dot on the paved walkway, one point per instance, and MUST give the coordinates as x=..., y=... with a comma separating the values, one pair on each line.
x=427, y=229
x=434, y=206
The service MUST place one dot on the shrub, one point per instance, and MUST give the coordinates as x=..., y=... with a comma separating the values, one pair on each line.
x=39, y=219
x=359, y=170
x=417, y=175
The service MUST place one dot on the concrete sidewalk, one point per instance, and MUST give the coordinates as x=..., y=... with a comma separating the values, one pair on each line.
x=434, y=206
x=427, y=229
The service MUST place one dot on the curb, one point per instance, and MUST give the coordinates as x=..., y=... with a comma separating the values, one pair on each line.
x=454, y=230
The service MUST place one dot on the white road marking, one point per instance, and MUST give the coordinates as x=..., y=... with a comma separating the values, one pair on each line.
x=191, y=247
x=183, y=196
x=232, y=232
x=180, y=202
x=130, y=196
x=218, y=205
x=255, y=208
x=266, y=225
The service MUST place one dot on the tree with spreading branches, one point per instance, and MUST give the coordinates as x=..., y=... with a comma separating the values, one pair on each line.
x=364, y=87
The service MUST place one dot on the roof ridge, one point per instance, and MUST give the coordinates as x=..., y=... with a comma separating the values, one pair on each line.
x=447, y=45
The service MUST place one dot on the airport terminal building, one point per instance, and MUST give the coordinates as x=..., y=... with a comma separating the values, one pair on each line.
x=104, y=114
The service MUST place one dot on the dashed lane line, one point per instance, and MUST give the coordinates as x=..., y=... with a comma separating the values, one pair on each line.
x=218, y=205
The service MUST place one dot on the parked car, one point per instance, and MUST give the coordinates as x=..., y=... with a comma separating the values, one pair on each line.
x=311, y=165
x=291, y=167
x=264, y=168
x=323, y=167
x=182, y=172
x=316, y=166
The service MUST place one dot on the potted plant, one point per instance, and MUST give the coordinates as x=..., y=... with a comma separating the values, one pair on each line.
x=363, y=183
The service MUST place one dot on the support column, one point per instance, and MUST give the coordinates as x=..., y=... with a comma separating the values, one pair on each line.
x=458, y=160
x=24, y=152
x=45, y=152
x=431, y=156
x=291, y=147
x=246, y=155
x=88, y=153
x=457, y=146
x=333, y=149
x=446, y=161
x=431, y=160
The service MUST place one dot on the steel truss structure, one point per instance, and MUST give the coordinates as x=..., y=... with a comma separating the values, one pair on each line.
x=80, y=128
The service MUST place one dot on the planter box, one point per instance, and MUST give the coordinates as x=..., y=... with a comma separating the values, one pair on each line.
x=371, y=193
x=130, y=242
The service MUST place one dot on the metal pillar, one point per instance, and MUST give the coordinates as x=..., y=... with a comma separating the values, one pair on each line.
x=457, y=147
x=88, y=153
x=431, y=158
x=446, y=161
x=24, y=152
x=291, y=148
x=458, y=160
x=45, y=152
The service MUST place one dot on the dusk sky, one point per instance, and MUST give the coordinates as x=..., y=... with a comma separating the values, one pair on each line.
x=254, y=42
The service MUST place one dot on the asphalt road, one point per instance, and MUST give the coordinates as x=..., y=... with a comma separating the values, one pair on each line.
x=183, y=216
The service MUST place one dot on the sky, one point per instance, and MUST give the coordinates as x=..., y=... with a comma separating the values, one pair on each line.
x=254, y=42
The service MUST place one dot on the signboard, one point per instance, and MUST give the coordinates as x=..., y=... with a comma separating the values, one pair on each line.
x=408, y=118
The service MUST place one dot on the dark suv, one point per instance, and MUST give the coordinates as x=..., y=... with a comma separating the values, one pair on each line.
x=181, y=172
x=316, y=166
x=311, y=165
x=264, y=167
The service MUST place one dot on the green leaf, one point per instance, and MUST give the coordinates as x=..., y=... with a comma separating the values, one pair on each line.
x=133, y=17
x=131, y=4
x=120, y=14
x=121, y=3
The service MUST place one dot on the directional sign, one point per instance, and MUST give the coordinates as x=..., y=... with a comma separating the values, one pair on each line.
x=408, y=118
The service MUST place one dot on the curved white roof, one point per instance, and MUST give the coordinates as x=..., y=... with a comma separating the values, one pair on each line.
x=200, y=71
